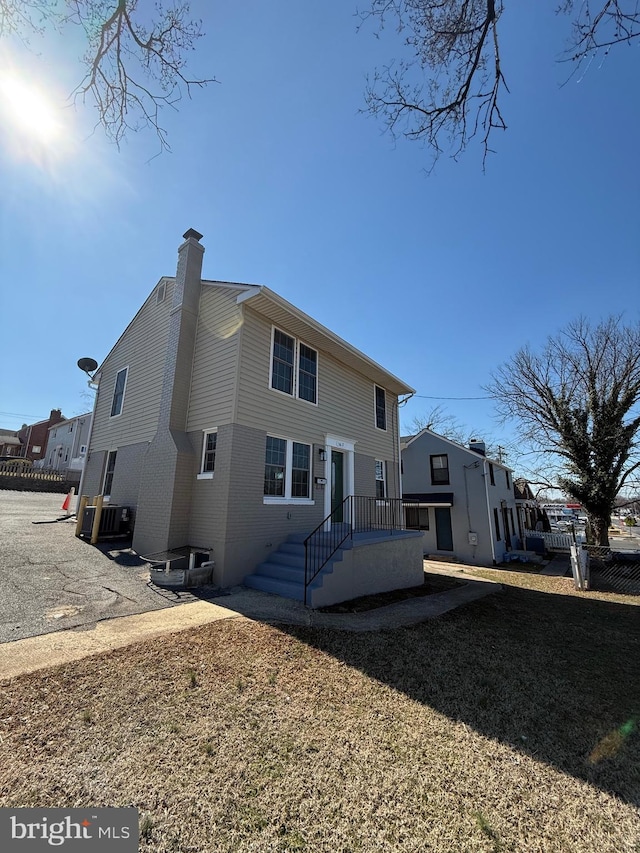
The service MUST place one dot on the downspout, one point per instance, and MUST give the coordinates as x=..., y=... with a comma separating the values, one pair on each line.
x=486, y=490
x=398, y=404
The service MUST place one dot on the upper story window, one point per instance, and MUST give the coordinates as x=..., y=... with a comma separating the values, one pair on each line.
x=440, y=470
x=294, y=367
x=381, y=482
x=506, y=474
x=118, y=392
x=492, y=477
x=208, y=461
x=381, y=408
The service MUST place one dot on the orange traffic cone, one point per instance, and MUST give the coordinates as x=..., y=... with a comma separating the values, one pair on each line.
x=67, y=501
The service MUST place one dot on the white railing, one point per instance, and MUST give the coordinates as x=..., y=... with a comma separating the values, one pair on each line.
x=552, y=541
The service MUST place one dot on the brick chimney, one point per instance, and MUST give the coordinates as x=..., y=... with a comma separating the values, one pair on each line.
x=162, y=519
x=478, y=446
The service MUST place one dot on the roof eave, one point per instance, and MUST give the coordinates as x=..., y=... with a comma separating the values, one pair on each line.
x=334, y=344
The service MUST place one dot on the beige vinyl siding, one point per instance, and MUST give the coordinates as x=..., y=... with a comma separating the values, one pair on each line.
x=345, y=398
x=141, y=348
x=213, y=383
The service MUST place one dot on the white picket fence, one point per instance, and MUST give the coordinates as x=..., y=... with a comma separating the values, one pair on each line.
x=579, y=555
x=552, y=541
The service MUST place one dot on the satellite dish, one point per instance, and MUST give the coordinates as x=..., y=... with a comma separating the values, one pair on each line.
x=87, y=364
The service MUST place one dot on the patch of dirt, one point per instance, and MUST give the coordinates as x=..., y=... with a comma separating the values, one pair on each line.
x=432, y=584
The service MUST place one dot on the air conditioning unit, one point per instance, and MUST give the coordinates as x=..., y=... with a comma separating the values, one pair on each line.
x=114, y=521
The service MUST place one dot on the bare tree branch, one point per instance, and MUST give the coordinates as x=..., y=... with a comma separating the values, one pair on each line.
x=135, y=66
x=579, y=401
x=448, y=86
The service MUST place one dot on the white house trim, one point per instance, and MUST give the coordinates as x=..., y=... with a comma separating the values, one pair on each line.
x=347, y=446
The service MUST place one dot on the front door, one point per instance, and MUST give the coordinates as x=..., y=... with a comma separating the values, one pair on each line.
x=337, y=484
x=444, y=536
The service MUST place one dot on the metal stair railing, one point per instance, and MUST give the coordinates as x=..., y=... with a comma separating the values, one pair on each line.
x=321, y=544
x=356, y=514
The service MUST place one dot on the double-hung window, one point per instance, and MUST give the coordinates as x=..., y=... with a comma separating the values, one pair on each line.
x=381, y=408
x=287, y=471
x=109, y=472
x=118, y=392
x=208, y=461
x=381, y=482
x=294, y=367
x=440, y=470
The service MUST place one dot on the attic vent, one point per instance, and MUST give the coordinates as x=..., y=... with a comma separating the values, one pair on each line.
x=161, y=292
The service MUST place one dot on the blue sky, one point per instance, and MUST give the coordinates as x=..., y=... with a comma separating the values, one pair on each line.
x=439, y=278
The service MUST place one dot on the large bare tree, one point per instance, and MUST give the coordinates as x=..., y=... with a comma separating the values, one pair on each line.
x=448, y=86
x=577, y=402
x=135, y=59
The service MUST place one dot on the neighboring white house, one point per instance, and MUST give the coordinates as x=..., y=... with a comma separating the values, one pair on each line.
x=462, y=501
x=67, y=443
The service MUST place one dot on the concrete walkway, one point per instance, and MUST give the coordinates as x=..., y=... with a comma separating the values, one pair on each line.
x=34, y=653
x=558, y=567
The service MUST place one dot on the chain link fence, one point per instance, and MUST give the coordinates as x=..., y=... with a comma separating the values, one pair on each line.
x=614, y=571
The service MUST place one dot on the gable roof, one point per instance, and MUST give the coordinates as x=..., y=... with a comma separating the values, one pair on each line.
x=283, y=313
x=410, y=439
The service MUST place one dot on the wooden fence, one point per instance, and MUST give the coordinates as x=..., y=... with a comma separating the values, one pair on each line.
x=19, y=477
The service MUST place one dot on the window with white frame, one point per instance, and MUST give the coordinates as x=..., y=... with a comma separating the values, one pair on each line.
x=109, y=472
x=287, y=470
x=118, y=392
x=381, y=408
x=209, y=447
x=381, y=481
x=294, y=367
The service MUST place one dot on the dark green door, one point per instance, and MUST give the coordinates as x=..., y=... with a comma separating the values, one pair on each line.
x=444, y=536
x=337, y=483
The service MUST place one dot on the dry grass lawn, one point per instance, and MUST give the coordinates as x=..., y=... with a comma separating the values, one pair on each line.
x=508, y=725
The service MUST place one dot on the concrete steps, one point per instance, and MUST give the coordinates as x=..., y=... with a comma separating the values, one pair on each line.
x=282, y=573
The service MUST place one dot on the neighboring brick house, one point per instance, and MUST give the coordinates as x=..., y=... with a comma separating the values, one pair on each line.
x=33, y=437
x=228, y=419
x=463, y=502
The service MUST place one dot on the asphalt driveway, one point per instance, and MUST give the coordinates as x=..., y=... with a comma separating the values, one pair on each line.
x=51, y=581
